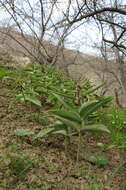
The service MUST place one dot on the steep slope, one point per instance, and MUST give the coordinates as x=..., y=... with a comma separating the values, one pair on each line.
x=73, y=62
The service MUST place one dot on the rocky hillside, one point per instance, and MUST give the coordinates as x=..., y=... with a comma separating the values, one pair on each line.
x=16, y=45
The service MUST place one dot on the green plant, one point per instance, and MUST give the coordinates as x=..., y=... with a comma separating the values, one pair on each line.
x=36, y=84
x=124, y=187
x=28, y=98
x=94, y=187
x=101, y=161
x=78, y=119
x=118, y=138
x=84, y=90
x=3, y=73
x=39, y=117
x=69, y=118
x=73, y=122
x=115, y=119
x=98, y=160
x=19, y=164
x=23, y=132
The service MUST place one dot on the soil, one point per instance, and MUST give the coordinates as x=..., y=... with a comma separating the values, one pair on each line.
x=52, y=168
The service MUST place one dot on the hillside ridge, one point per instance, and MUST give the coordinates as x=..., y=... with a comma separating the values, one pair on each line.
x=73, y=62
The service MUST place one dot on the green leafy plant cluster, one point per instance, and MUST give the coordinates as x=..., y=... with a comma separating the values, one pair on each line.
x=72, y=105
x=70, y=121
x=115, y=119
x=19, y=164
x=2, y=73
x=35, y=84
x=98, y=160
x=94, y=187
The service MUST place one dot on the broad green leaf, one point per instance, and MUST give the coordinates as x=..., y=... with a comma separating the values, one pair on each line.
x=58, y=123
x=63, y=94
x=62, y=101
x=69, y=115
x=19, y=97
x=92, y=106
x=31, y=99
x=97, y=127
x=93, y=128
x=43, y=132
x=42, y=90
x=62, y=132
x=101, y=145
x=69, y=123
x=23, y=132
x=84, y=109
x=93, y=89
x=59, y=127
